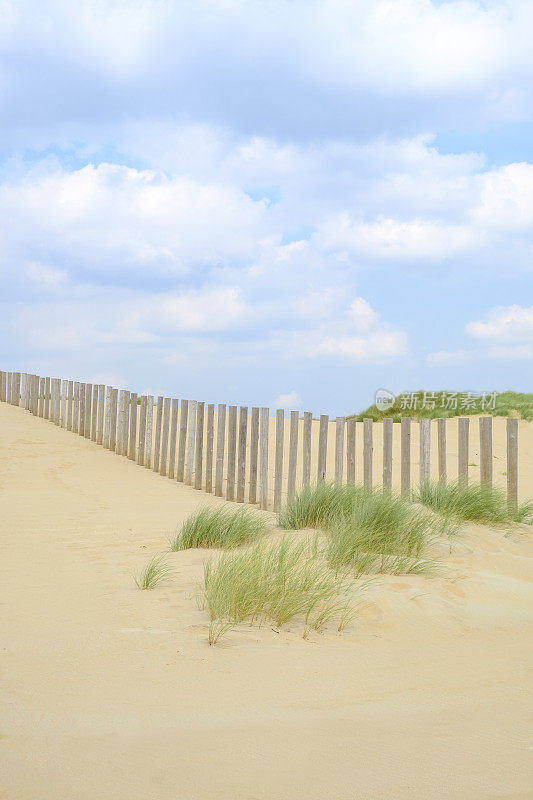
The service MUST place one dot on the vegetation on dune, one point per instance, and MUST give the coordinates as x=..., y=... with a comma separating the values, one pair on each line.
x=315, y=505
x=476, y=502
x=153, y=573
x=507, y=404
x=273, y=581
x=219, y=527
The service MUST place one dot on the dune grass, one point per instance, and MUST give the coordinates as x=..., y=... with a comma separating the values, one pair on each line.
x=273, y=581
x=382, y=533
x=153, y=573
x=219, y=527
x=316, y=505
x=507, y=404
x=475, y=502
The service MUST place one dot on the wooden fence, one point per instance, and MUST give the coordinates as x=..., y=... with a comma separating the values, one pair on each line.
x=251, y=456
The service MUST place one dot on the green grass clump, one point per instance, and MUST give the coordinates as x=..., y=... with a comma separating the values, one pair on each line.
x=382, y=533
x=476, y=502
x=315, y=506
x=272, y=582
x=154, y=572
x=219, y=527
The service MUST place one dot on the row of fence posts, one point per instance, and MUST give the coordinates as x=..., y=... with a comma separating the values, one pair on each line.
x=175, y=446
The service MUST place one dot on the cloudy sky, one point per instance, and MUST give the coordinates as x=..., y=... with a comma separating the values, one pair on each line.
x=253, y=201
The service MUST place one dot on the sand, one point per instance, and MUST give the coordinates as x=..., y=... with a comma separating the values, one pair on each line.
x=109, y=692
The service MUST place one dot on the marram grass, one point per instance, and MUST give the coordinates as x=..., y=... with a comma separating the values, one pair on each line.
x=153, y=573
x=273, y=581
x=316, y=505
x=222, y=527
x=382, y=533
x=474, y=502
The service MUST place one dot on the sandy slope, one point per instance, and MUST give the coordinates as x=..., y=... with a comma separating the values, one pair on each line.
x=108, y=692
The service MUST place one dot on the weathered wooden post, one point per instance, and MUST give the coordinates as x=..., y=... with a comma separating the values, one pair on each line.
x=322, y=447
x=199, y=446
x=441, y=439
x=221, y=439
x=424, y=425
x=209, y=447
x=232, y=449
x=263, y=458
x=485, y=450
x=241, y=453
x=387, y=453
x=254, y=456
x=164, y=436
x=512, y=463
x=463, y=442
x=132, y=439
x=405, y=456
x=368, y=451
x=293, y=454
x=184, y=416
x=173, y=438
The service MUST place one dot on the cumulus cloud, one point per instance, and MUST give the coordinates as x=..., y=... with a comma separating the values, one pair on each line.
x=291, y=400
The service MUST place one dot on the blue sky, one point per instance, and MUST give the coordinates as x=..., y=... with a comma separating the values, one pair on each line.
x=242, y=201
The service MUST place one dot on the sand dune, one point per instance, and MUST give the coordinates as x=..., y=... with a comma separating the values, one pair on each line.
x=108, y=692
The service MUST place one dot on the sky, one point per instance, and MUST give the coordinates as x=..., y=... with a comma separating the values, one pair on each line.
x=289, y=203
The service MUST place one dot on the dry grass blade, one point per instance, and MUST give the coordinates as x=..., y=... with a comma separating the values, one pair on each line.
x=219, y=527
x=153, y=573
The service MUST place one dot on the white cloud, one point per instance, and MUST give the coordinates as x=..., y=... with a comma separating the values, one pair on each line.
x=290, y=401
x=510, y=324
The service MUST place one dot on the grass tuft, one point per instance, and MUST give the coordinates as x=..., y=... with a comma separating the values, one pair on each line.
x=315, y=506
x=153, y=573
x=382, y=533
x=220, y=527
x=476, y=502
x=277, y=581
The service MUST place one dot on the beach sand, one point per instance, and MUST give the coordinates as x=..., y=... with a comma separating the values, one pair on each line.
x=110, y=692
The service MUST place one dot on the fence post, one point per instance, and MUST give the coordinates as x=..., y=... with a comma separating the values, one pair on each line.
x=263, y=458
x=340, y=425
x=47, y=398
x=88, y=410
x=16, y=388
x=3, y=387
x=113, y=420
x=184, y=416
x=189, y=465
x=424, y=425
x=199, y=446
x=405, y=478
x=441, y=438
x=210, y=438
x=149, y=431
x=293, y=453
x=101, y=414
x=107, y=419
x=63, y=404
x=142, y=431
x=463, y=442
x=75, y=408
x=512, y=462
x=164, y=437
x=94, y=419
x=70, y=398
x=157, y=437
x=351, y=427
x=368, y=450
x=306, y=448
x=278, y=461
x=121, y=422
x=132, y=439
x=387, y=453
x=232, y=447
x=81, y=418
x=254, y=454
x=173, y=439
x=241, y=453
x=322, y=447
x=221, y=440
x=485, y=450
